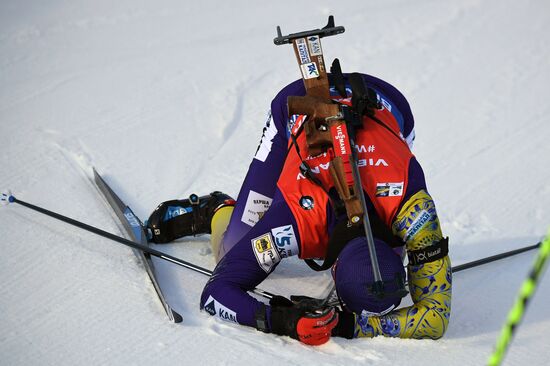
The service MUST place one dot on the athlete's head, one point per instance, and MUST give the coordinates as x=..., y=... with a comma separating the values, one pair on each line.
x=354, y=277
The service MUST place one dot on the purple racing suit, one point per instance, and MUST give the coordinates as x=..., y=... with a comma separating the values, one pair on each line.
x=261, y=209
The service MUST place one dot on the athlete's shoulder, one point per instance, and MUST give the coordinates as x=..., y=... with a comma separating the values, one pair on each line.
x=389, y=96
x=394, y=100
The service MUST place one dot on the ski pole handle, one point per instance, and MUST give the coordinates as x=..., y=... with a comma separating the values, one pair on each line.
x=6, y=198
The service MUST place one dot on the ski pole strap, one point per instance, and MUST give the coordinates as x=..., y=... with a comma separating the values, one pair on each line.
x=429, y=254
x=518, y=310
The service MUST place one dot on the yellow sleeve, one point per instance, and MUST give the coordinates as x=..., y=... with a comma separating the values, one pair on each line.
x=429, y=284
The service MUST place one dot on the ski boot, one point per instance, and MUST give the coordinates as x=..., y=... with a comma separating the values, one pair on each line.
x=177, y=218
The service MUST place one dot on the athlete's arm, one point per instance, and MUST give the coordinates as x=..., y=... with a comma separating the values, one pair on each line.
x=417, y=224
x=248, y=263
x=429, y=284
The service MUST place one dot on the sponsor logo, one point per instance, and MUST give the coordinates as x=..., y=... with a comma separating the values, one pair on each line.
x=314, y=45
x=266, y=254
x=132, y=219
x=361, y=163
x=340, y=135
x=175, y=211
x=334, y=92
x=295, y=122
x=417, y=224
x=427, y=255
x=384, y=102
x=371, y=162
x=307, y=203
x=309, y=71
x=406, y=222
x=303, y=53
x=365, y=149
x=134, y=223
x=256, y=205
x=214, y=308
x=285, y=240
x=291, y=122
x=321, y=63
x=269, y=132
x=389, y=189
x=317, y=169
x=261, y=202
x=263, y=243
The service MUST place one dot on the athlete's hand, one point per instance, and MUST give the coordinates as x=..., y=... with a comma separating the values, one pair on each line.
x=346, y=325
x=302, y=320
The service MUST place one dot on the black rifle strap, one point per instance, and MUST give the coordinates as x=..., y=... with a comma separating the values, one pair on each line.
x=359, y=96
x=304, y=167
x=343, y=234
x=337, y=204
x=336, y=78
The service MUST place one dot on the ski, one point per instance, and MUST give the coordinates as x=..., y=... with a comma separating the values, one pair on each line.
x=136, y=232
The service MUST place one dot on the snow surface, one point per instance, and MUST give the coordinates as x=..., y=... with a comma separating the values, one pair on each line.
x=166, y=98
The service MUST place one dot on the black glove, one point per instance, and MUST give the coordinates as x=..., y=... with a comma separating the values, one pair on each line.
x=346, y=325
x=304, y=320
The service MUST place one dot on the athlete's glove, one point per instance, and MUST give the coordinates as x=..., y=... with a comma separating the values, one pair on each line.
x=302, y=320
x=346, y=325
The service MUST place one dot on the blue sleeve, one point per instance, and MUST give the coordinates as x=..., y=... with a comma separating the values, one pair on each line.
x=248, y=263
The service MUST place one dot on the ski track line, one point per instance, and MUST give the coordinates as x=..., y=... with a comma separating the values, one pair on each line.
x=238, y=120
x=48, y=88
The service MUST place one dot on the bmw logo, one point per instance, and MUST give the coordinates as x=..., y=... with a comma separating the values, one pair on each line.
x=306, y=202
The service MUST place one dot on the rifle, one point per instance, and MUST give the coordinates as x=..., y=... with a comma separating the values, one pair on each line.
x=330, y=126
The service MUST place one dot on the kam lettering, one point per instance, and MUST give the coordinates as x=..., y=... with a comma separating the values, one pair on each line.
x=214, y=308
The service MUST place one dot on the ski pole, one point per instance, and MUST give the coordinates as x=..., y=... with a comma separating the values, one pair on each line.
x=518, y=310
x=378, y=286
x=493, y=258
x=7, y=198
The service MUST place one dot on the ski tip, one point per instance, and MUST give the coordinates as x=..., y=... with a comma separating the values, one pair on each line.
x=97, y=176
x=6, y=198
